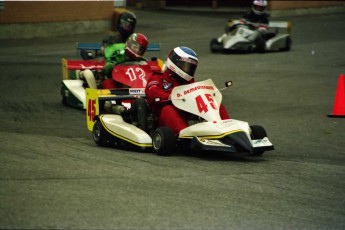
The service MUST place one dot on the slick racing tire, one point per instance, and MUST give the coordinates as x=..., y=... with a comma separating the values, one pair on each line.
x=215, y=46
x=163, y=141
x=99, y=134
x=288, y=43
x=64, y=100
x=258, y=132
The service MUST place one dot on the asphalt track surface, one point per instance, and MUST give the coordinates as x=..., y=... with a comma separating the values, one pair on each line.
x=53, y=175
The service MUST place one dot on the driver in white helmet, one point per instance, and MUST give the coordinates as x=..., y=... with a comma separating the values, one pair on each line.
x=258, y=16
x=181, y=65
x=257, y=19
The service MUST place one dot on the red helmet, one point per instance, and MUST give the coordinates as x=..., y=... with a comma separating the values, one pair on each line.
x=136, y=45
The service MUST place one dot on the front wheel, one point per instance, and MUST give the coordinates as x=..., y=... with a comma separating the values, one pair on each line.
x=258, y=132
x=216, y=46
x=261, y=45
x=163, y=141
x=288, y=43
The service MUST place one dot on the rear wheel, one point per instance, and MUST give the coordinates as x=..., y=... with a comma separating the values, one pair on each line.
x=63, y=94
x=99, y=134
x=63, y=100
x=258, y=132
x=163, y=141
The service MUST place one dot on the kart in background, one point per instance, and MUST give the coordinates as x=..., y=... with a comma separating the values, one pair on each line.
x=136, y=128
x=237, y=37
x=81, y=74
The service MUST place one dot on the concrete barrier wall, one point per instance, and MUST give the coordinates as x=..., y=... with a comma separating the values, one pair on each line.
x=51, y=29
x=30, y=19
x=287, y=5
x=59, y=11
x=25, y=19
x=273, y=4
x=55, y=11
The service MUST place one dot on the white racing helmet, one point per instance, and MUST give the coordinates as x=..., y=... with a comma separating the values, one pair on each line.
x=182, y=61
x=259, y=6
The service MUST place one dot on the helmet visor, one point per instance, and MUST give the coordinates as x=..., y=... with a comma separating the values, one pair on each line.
x=136, y=48
x=126, y=25
x=187, y=65
x=259, y=8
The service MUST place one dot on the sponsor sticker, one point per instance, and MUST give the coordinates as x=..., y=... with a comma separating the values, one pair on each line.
x=208, y=87
x=136, y=91
x=211, y=142
x=261, y=142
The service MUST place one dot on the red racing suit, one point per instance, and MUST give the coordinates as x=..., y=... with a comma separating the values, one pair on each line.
x=158, y=90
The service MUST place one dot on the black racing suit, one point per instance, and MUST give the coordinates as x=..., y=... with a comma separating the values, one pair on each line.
x=251, y=17
x=259, y=23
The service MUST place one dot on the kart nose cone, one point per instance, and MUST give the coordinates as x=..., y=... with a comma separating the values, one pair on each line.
x=241, y=141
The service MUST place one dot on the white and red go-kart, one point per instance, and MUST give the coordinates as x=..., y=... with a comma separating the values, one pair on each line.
x=206, y=130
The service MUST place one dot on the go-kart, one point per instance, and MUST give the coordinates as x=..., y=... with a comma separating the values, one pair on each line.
x=240, y=36
x=81, y=74
x=137, y=127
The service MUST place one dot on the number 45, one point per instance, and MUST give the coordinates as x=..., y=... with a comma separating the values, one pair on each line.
x=91, y=109
x=202, y=103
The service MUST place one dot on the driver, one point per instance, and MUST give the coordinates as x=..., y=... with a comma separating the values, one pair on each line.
x=133, y=50
x=125, y=27
x=258, y=15
x=257, y=19
x=181, y=65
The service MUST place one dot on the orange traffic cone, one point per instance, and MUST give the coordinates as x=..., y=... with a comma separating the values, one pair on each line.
x=339, y=102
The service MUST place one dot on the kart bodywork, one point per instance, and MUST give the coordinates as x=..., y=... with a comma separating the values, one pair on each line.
x=77, y=75
x=112, y=127
x=81, y=74
x=206, y=130
x=278, y=38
